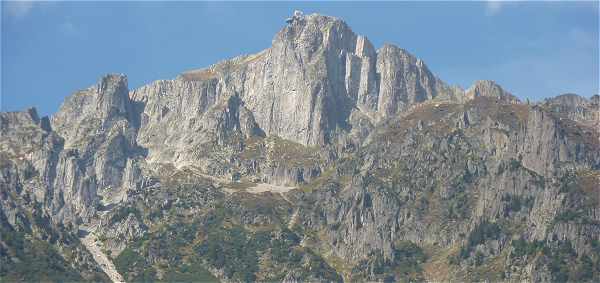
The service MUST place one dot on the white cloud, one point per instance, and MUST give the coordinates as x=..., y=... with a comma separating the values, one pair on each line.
x=18, y=9
x=493, y=7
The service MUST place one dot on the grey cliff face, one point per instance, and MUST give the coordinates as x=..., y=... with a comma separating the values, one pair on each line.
x=405, y=81
x=99, y=128
x=305, y=87
x=318, y=159
x=35, y=208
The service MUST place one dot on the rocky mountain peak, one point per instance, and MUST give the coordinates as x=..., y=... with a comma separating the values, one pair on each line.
x=113, y=95
x=300, y=25
x=320, y=159
x=304, y=87
x=389, y=48
x=488, y=88
x=23, y=118
x=310, y=33
x=568, y=99
x=18, y=119
x=90, y=115
x=575, y=107
x=106, y=100
x=405, y=80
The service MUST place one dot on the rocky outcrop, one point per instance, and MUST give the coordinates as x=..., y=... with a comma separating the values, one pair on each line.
x=183, y=121
x=576, y=108
x=120, y=229
x=406, y=81
x=490, y=89
x=32, y=207
x=98, y=125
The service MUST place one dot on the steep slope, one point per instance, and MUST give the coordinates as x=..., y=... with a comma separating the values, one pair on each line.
x=100, y=126
x=34, y=243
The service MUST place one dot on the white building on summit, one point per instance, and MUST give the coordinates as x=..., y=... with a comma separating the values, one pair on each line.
x=297, y=15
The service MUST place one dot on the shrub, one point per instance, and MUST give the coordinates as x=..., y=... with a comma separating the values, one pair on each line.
x=522, y=247
x=483, y=232
x=127, y=259
x=123, y=212
x=233, y=250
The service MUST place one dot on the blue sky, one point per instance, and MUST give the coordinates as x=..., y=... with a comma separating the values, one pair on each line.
x=51, y=49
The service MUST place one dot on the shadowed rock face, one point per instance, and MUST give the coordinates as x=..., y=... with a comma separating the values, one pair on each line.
x=396, y=174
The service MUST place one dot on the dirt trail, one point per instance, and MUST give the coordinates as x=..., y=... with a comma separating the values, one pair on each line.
x=262, y=187
x=293, y=219
x=89, y=241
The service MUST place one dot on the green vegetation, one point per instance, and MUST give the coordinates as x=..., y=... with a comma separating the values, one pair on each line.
x=568, y=181
x=479, y=258
x=283, y=251
x=128, y=259
x=405, y=265
x=483, y=232
x=458, y=202
x=134, y=267
x=408, y=258
x=123, y=212
x=570, y=215
x=578, y=216
x=458, y=205
x=189, y=272
x=288, y=153
x=38, y=261
x=559, y=258
x=516, y=203
x=232, y=250
x=501, y=169
x=581, y=197
x=325, y=179
x=181, y=247
x=293, y=154
x=596, y=247
x=254, y=148
x=514, y=165
x=522, y=247
x=236, y=251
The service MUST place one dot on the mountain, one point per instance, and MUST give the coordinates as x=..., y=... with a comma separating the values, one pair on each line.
x=318, y=159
